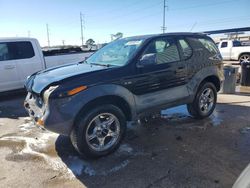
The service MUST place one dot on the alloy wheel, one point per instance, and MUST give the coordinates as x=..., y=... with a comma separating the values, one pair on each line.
x=245, y=59
x=206, y=100
x=103, y=132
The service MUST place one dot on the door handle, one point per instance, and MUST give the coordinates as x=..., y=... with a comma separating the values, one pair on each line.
x=9, y=66
x=179, y=69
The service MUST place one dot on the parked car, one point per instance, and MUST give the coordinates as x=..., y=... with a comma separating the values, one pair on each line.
x=21, y=57
x=234, y=50
x=92, y=101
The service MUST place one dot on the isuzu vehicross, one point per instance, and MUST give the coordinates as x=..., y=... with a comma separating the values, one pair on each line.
x=91, y=101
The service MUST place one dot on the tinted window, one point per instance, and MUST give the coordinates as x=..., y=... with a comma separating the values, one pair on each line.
x=209, y=45
x=185, y=48
x=4, y=52
x=16, y=50
x=223, y=44
x=236, y=43
x=165, y=50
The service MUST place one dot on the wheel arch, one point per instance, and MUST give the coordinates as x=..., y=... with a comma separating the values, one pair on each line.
x=108, y=99
x=213, y=79
x=243, y=53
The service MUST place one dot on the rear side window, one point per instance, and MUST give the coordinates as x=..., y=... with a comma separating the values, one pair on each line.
x=223, y=44
x=16, y=50
x=209, y=45
x=236, y=43
x=185, y=49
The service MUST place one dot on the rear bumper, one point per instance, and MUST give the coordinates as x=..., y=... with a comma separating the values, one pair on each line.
x=54, y=116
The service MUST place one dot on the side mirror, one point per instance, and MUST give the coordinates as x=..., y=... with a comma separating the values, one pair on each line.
x=147, y=59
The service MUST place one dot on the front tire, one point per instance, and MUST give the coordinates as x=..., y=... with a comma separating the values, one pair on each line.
x=99, y=131
x=204, y=102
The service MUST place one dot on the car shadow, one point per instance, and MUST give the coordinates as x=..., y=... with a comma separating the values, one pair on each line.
x=11, y=104
x=186, y=143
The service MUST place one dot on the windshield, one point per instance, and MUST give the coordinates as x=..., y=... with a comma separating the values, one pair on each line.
x=116, y=53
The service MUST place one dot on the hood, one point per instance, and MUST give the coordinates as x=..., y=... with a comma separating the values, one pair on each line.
x=38, y=81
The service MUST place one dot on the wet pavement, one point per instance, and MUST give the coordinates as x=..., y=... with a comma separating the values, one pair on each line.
x=170, y=149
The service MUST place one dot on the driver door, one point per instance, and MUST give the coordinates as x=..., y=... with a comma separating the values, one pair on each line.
x=165, y=72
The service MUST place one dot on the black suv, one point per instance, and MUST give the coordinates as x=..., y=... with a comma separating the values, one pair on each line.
x=91, y=101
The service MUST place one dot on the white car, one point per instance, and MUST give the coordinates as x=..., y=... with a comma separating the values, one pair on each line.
x=21, y=57
x=234, y=50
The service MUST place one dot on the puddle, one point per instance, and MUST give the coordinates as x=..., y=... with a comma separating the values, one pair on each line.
x=81, y=167
x=215, y=119
x=103, y=166
x=180, y=117
x=175, y=113
x=124, y=148
x=33, y=144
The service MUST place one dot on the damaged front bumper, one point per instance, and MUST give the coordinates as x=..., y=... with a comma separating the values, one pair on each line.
x=54, y=115
x=35, y=108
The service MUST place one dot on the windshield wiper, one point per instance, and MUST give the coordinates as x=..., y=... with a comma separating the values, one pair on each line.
x=98, y=64
x=84, y=61
x=104, y=65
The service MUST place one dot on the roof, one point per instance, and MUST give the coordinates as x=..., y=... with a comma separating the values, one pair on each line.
x=16, y=39
x=166, y=34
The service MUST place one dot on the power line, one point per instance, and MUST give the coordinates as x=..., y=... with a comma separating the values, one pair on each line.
x=157, y=13
x=202, y=5
x=97, y=14
x=135, y=11
x=213, y=22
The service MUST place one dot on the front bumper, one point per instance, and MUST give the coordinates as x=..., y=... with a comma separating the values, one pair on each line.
x=54, y=116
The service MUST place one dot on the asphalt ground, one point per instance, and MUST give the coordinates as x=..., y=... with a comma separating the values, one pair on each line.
x=170, y=150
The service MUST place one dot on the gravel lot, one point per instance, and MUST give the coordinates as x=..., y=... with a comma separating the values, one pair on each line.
x=170, y=150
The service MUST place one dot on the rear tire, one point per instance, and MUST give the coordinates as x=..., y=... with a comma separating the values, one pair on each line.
x=99, y=131
x=244, y=58
x=204, y=102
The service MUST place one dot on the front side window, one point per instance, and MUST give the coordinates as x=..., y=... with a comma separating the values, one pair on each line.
x=165, y=50
x=209, y=45
x=223, y=44
x=16, y=50
x=116, y=53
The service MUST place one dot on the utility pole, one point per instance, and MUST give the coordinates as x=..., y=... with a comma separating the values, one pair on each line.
x=82, y=21
x=29, y=33
x=47, y=27
x=164, y=17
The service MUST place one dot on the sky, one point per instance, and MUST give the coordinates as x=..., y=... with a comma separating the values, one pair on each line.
x=102, y=18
